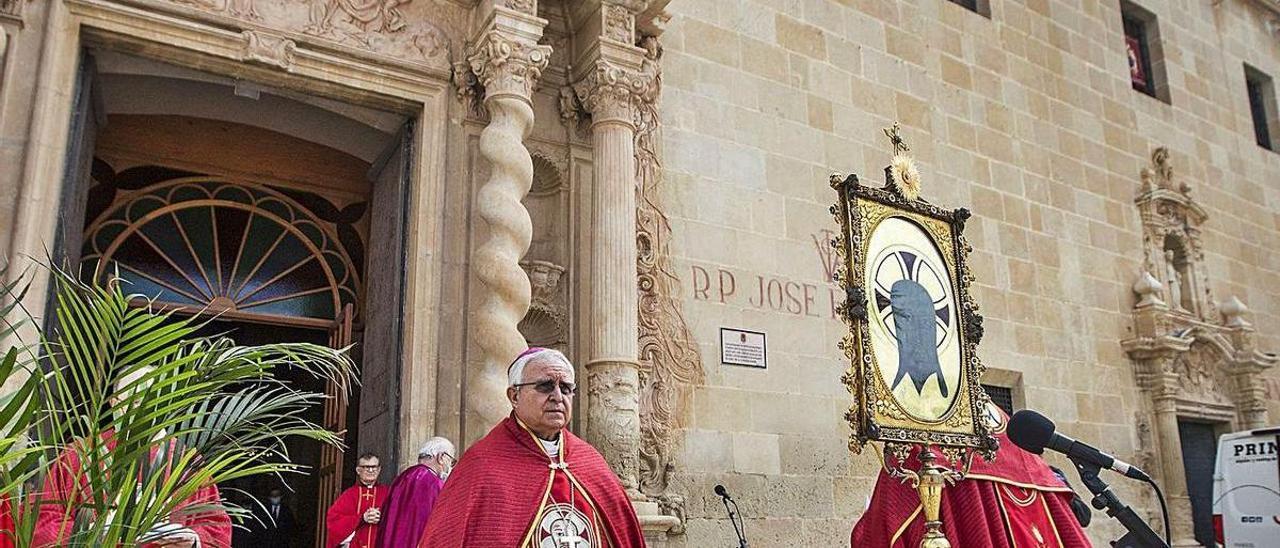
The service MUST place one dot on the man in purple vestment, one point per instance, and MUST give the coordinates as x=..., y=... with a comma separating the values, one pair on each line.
x=413, y=494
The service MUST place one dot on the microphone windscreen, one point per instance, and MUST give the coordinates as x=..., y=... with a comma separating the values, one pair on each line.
x=720, y=491
x=1030, y=430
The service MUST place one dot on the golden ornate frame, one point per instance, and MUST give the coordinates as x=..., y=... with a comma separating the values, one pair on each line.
x=875, y=414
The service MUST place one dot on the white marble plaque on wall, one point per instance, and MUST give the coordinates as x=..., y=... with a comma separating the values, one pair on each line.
x=742, y=347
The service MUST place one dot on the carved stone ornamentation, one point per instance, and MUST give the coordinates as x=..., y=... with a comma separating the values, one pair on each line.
x=404, y=30
x=351, y=21
x=571, y=111
x=1172, y=249
x=1201, y=373
x=545, y=324
x=610, y=92
x=268, y=49
x=431, y=43
x=1233, y=312
x=468, y=90
x=618, y=22
x=614, y=394
x=670, y=364
x=505, y=65
x=523, y=6
x=1148, y=290
x=12, y=8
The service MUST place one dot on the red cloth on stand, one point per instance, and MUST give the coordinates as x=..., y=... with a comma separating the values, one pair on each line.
x=495, y=492
x=66, y=481
x=408, y=506
x=1013, y=501
x=346, y=516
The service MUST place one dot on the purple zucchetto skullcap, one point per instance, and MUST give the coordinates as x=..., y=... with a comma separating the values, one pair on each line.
x=515, y=371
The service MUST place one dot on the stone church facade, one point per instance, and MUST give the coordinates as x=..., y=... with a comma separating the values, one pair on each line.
x=445, y=181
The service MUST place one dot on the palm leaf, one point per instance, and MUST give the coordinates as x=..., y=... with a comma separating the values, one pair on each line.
x=153, y=414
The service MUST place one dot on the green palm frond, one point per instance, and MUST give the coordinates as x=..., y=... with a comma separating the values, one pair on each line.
x=153, y=413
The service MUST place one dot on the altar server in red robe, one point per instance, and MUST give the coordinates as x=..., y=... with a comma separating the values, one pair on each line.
x=1014, y=501
x=200, y=521
x=353, y=519
x=530, y=483
x=209, y=528
x=413, y=494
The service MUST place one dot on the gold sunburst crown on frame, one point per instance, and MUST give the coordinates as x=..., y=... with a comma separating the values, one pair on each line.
x=904, y=176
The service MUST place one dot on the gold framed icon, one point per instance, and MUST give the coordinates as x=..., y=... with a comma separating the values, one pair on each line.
x=913, y=325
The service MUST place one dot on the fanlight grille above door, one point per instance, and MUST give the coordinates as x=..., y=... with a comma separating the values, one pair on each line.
x=203, y=242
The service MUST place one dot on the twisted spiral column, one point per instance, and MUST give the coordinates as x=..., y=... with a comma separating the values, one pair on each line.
x=507, y=60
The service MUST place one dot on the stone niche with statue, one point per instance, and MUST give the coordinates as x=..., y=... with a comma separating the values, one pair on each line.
x=1194, y=357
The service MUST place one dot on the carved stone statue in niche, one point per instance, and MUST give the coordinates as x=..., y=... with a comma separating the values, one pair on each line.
x=1175, y=281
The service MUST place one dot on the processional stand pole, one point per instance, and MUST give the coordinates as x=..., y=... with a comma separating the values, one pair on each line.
x=929, y=484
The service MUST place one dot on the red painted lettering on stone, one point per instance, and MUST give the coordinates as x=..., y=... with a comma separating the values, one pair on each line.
x=701, y=283
x=732, y=284
x=809, y=292
x=794, y=292
x=775, y=294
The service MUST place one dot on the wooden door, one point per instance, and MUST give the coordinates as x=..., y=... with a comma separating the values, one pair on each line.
x=381, y=343
x=335, y=419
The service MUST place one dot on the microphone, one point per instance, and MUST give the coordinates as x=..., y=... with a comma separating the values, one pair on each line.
x=735, y=518
x=1034, y=432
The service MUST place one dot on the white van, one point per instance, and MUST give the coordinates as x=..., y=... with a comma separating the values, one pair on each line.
x=1246, y=489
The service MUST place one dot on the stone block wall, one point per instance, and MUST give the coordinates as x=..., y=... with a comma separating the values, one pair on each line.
x=1028, y=118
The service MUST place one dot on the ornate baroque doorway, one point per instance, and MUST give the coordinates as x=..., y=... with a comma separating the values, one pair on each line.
x=244, y=221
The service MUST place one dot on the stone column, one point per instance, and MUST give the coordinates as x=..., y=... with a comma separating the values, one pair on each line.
x=1163, y=385
x=507, y=60
x=609, y=91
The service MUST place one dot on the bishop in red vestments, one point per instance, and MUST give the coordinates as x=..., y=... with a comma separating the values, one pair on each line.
x=1014, y=501
x=352, y=521
x=530, y=483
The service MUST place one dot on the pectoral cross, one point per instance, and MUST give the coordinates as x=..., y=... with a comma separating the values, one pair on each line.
x=895, y=137
x=571, y=542
x=365, y=493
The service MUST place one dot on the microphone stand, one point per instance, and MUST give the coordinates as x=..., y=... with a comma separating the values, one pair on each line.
x=1140, y=534
x=735, y=519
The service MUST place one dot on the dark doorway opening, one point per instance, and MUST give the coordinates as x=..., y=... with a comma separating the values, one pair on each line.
x=1199, y=455
x=301, y=491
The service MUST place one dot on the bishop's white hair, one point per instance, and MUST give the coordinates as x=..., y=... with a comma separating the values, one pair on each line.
x=435, y=447
x=515, y=374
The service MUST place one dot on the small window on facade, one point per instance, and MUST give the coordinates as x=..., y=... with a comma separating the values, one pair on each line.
x=1002, y=396
x=1142, y=46
x=981, y=7
x=1262, y=105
